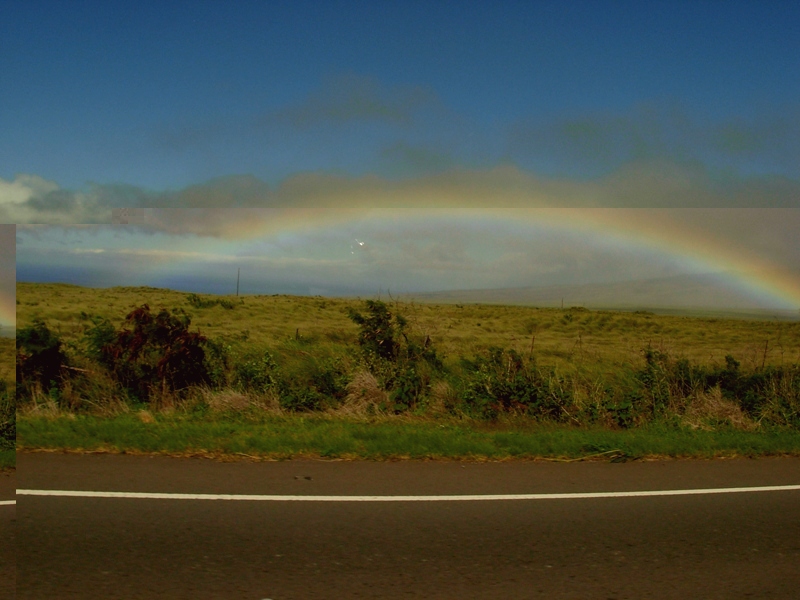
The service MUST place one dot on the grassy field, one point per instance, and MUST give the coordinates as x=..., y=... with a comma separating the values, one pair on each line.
x=570, y=339
x=8, y=459
x=294, y=376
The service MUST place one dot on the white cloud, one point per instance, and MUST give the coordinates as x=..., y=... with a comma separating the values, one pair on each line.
x=23, y=188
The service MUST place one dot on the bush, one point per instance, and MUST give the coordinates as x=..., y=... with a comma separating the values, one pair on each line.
x=379, y=329
x=40, y=359
x=158, y=353
x=782, y=403
x=402, y=366
x=256, y=373
x=199, y=302
x=8, y=418
x=500, y=381
x=317, y=385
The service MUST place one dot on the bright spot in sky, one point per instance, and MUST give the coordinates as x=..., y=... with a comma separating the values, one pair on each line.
x=352, y=251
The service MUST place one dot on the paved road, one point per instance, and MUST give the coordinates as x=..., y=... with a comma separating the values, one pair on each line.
x=8, y=541
x=706, y=546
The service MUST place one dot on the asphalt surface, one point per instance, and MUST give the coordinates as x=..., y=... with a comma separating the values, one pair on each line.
x=744, y=545
x=8, y=540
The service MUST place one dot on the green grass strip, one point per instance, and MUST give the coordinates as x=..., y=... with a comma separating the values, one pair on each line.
x=8, y=459
x=287, y=437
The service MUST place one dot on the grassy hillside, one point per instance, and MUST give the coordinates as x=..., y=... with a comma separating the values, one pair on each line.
x=686, y=294
x=282, y=357
x=569, y=339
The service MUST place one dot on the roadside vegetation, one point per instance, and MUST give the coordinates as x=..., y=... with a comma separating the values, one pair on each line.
x=8, y=415
x=226, y=374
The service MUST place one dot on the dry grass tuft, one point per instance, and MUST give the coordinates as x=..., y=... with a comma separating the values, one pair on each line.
x=145, y=416
x=269, y=402
x=442, y=398
x=230, y=399
x=709, y=410
x=42, y=406
x=364, y=397
x=782, y=404
x=226, y=400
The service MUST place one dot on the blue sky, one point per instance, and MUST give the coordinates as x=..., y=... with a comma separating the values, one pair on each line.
x=211, y=105
x=164, y=95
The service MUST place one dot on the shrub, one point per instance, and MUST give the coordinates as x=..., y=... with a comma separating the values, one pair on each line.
x=500, y=381
x=780, y=398
x=8, y=417
x=402, y=366
x=200, y=302
x=655, y=378
x=256, y=373
x=216, y=362
x=40, y=359
x=379, y=329
x=158, y=353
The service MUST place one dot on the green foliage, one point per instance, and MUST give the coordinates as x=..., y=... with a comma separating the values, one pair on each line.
x=40, y=358
x=378, y=329
x=501, y=381
x=655, y=380
x=586, y=371
x=330, y=379
x=200, y=302
x=216, y=362
x=664, y=382
x=403, y=366
x=781, y=398
x=97, y=338
x=287, y=436
x=8, y=417
x=315, y=385
x=256, y=373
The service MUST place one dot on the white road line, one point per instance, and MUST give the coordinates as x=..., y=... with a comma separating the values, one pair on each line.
x=4, y=502
x=462, y=498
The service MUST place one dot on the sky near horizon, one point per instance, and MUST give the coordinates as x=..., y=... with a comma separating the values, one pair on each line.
x=309, y=142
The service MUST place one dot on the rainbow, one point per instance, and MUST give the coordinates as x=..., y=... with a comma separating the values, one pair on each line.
x=8, y=309
x=667, y=231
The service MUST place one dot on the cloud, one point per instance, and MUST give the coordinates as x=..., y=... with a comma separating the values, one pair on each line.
x=683, y=205
x=646, y=184
x=350, y=98
x=417, y=158
x=599, y=142
x=342, y=100
x=33, y=199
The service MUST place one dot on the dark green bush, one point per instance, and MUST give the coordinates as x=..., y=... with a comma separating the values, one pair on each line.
x=200, y=302
x=8, y=417
x=217, y=362
x=316, y=385
x=403, y=366
x=40, y=358
x=501, y=381
x=256, y=373
x=379, y=329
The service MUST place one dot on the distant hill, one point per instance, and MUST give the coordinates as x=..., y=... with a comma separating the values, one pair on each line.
x=679, y=294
